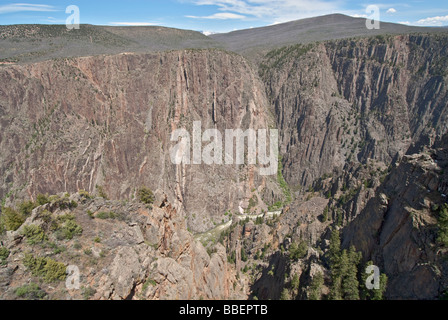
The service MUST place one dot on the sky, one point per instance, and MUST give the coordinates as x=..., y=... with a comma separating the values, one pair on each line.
x=213, y=16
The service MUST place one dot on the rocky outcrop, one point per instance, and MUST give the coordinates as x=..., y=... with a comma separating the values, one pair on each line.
x=137, y=253
x=354, y=100
x=398, y=228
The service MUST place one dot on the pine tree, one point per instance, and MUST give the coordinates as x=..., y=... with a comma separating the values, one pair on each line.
x=335, y=247
x=295, y=283
x=378, y=294
x=335, y=266
x=315, y=291
x=373, y=294
x=350, y=283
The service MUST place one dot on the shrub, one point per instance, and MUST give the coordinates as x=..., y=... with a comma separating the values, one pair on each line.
x=54, y=271
x=64, y=203
x=325, y=214
x=298, y=251
x=42, y=199
x=106, y=215
x=69, y=230
x=4, y=254
x=26, y=207
x=30, y=292
x=88, y=292
x=11, y=219
x=46, y=268
x=145, y=195
x=101, y=192
x=84, y=194
x=442, y=224
x=34, y=234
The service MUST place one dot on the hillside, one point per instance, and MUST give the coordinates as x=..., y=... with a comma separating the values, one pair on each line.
x=256, y=41
x=32, y=43
x=362, y=175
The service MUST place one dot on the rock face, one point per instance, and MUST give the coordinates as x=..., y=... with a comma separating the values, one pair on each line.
x=398, y=228
x=362, y=123
x=140, y=254
x=73, y=124
x=355, y=100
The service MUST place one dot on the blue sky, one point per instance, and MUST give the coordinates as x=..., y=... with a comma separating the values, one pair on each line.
x=215, y=15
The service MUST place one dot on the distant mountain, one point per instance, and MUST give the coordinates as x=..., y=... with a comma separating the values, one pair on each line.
x=30, y=43
x=328, y=27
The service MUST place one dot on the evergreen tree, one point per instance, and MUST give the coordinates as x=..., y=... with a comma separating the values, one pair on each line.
x=285, y=295
x=335, y=248
x=315, y=291
x=378, y=294
x=335, y=266
x=373, y=294
x=295, y=283
x=350, y=283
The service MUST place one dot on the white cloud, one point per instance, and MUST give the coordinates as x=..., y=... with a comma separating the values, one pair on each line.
x=434, y=21
x=220, y=16
x=356, y=15
x=133, y=24
x=404, y=22
x=20, y=7
x=391, y=11
x=278, y=11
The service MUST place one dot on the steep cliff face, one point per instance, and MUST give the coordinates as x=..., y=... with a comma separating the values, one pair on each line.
x=354, y=100
x=73, y=124
x=399, y=228
x=358, y=119
x=362, y=126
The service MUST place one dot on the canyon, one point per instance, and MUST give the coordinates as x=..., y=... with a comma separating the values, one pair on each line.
x=362, y=122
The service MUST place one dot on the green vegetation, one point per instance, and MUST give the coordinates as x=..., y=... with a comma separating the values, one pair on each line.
x=442, y=224
x=281, y=180
x=325, y=214
x=84, y=194
x=69, y=230
x=315, y=290
x=101, y=192
x=278, y=57
x=145, y=195
x=106, y=215
x=30, y=291
x=285, y=295
x=243, y=255
x=34, y=234
x=4, y=254
x=147, y=283
x=11, y=219
x=47, y=269
x=42, y=199
x=344, y=270
x=295, y=284
x=26, y=207
x=87, y=292
x=253, y=202
x=375, y=294
x=231, y=258
x=298, y=251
